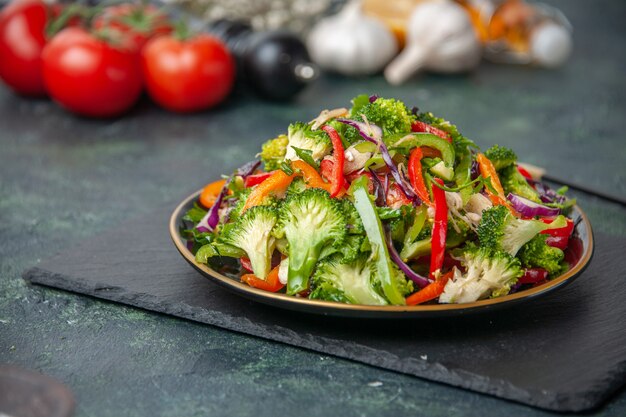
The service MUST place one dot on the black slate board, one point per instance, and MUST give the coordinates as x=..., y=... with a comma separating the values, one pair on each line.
x=565, y=351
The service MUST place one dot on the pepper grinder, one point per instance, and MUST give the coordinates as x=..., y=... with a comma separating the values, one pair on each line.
x=274, y=63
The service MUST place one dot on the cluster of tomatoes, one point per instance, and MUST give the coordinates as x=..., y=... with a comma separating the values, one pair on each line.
x=98, y=63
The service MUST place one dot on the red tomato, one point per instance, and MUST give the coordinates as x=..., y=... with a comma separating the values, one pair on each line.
x=22, y=38
x=138, y=21
x=89, y=76
x=187, y=75
x=396, y=197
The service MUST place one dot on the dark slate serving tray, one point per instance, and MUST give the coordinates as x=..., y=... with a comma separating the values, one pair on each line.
x=565, y=351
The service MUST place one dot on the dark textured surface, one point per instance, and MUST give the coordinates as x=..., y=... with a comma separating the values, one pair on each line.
x=565, y=351
x=63, y=179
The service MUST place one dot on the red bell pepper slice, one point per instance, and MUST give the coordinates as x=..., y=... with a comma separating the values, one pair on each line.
x=440, y=229
x=422, y=127
x=336, y=179
x=327, y=169
x=415, y=175
x=560, y=232
x=558, y=238
x=271, y=283
x=245, y=264
x=524, y=172
x=255, y=179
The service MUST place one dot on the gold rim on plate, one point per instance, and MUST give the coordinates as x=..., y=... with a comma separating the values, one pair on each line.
x=333, y=308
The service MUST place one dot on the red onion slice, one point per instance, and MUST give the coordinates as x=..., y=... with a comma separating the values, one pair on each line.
x=212, y=218
x=529, y=208
x=376, y=138
x=247, y=169
x=379, y=189
x=419, y=280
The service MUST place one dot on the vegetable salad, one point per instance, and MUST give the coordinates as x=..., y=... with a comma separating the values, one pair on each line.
x=382, y=205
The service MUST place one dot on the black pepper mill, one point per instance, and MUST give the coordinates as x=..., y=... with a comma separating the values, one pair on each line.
x=274, y=63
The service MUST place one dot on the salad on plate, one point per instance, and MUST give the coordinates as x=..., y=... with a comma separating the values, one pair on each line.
x=382, y=205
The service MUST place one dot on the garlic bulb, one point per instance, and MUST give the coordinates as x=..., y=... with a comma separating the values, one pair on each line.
x=550, y=45
x=440, y=38
x=351, y=43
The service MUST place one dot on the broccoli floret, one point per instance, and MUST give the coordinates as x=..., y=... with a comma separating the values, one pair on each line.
x=460, y=142
x=352, y=283
x=489, y=273
x=302, y=137
x=355, y=224
x=404, y=286
x=537, y=253
x=355, y=242
x=282, y=246
x=390, y=114
x=501, y=157
x=309, y=221
x=273, y=152
x=500, y=230
x=514, y=182
x=349, y=251
x=297, y=186
x=252, y=234
x=504, y=161
x=241, y=197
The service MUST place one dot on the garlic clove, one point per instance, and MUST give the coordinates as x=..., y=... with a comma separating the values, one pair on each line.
x=351, y=43
x=440, y=37
x=411, y=60
x=550, y=45
x=461, y=55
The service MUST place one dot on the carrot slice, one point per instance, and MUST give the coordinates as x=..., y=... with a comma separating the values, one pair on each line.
x=271, y=283
x=429, y=292
x=210, y=192
x=275, y=183
x=311, y=177
x=487, y=170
